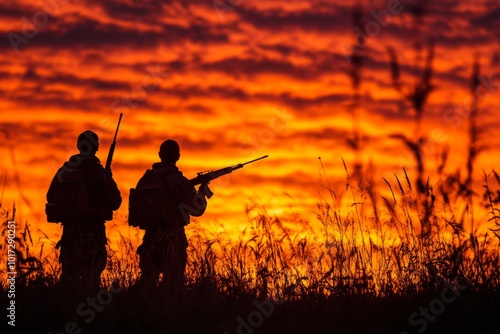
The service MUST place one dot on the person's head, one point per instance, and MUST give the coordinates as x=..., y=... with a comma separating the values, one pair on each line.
x=87, y=143
x=169, y=151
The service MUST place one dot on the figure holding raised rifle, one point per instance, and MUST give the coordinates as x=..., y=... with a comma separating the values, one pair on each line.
x=82, y=196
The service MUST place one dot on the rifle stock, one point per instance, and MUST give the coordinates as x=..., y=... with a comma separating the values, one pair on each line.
x=112, y=147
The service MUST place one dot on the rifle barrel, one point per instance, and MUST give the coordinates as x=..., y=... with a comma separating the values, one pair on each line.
x=249, y=162
x=118, y=126
x=112, y=147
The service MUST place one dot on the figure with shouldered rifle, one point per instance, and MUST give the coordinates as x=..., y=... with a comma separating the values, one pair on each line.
x=82, y=196
x=161, y=204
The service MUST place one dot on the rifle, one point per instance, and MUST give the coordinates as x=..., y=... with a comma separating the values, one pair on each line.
x=112, y=147
x=207, y=176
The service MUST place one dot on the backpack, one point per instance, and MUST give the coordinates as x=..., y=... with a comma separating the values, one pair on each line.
x=68, y=197
x=149, y=205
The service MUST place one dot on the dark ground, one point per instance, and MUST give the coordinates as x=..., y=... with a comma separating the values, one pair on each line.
x=44, y=310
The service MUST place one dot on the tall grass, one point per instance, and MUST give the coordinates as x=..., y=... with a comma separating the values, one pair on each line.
x=32, y=267
x=357, y=251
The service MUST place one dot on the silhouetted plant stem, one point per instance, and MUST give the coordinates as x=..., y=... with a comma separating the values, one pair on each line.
x=417, y=95
x=473, y=149
x=356, y=62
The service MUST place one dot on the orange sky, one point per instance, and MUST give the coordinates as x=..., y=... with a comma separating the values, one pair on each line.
x=230, y=85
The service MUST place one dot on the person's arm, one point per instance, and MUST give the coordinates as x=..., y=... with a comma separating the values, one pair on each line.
x=199, y=199
x=112, y=194
x=192, y=201
x=52, y=190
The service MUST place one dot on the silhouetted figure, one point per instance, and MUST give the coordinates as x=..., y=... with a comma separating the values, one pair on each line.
x=164, y=247
x=82, y=196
